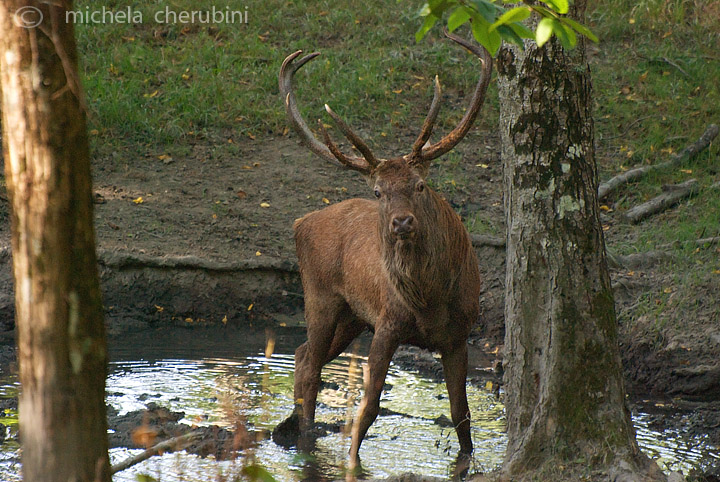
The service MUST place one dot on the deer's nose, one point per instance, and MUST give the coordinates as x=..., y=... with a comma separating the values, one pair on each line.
x=403, y=224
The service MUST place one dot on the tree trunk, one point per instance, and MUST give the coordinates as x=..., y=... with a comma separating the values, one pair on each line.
x=59, y=319
x=565, y=396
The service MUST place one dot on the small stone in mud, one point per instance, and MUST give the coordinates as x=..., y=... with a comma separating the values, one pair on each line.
x=287, y=433
x=443, y=421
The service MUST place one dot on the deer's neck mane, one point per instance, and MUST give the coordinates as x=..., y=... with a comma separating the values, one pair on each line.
x=420, y=269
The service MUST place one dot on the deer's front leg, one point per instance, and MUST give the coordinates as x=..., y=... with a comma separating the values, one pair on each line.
x=455, y=370
x=383, y=346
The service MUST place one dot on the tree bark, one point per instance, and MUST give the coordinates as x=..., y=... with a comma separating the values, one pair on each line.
x=60, y=330
x=565, y=397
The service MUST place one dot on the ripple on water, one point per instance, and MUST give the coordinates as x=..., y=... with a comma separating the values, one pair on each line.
x=258, y=390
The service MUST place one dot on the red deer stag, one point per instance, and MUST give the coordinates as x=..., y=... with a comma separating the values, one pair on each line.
x=402, y=265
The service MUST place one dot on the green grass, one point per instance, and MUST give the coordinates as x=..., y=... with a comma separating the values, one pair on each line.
x=159, y=84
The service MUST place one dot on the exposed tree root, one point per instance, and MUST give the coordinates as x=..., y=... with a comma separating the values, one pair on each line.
x=672, y=195
x=118, y=260
x=690, y=151
x=482, y=240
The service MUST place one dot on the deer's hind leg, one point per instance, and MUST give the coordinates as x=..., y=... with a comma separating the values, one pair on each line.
x=331, y=327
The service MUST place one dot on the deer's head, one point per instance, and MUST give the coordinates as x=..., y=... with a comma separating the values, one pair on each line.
x=398, y=183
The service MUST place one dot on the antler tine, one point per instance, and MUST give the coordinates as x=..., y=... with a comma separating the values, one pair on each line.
x=354, y=138
x=428, y=125
x=347, y=161
x=285, y=81
x=451, y=139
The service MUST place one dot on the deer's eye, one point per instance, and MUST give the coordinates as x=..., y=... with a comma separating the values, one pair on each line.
x=377, y=193
x=420, y=186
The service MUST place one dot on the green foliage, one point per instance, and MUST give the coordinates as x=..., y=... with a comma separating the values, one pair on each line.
x=257, y=472
x=491, y=23
x=145, y=478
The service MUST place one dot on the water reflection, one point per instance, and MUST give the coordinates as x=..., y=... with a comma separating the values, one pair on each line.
x=238, y=383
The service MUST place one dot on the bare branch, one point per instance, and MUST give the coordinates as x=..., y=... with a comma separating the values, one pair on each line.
x=689, y=152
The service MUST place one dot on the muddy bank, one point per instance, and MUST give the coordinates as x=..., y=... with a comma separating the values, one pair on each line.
x=142, y=290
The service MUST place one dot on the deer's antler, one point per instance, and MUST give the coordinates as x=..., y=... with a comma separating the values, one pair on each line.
x=421, y=155
x=329, y=150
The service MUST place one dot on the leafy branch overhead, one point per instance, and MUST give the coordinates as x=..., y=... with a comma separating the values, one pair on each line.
x=491, y=23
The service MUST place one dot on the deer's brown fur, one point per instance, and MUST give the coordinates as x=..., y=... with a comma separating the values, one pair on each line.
x=402, y=266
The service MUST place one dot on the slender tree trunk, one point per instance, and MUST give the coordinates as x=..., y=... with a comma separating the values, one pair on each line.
x=565, y=397
x=59, y=319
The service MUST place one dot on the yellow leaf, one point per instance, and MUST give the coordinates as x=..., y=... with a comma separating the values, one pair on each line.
x=258, y=253
x=484, y=166
x=162, y=157
x=264, y=205
x=631, y=21
x=185, y=76
x=488, y=386
x=139, y=200
x=605, y=208
x=251, y=306
x=631, y=273
x=224, y=320
x=326, y=200
x=686, y=171
x=251, y=136
x=667, y=290
x=398, y=91
x=151, y=95
x=214, y=216
x=717, y=271
x=94, y=132
x=159, y=308
x=188, y=320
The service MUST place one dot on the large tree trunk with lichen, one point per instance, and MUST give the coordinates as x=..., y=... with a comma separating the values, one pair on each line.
x=59, y=319
x=565, y=397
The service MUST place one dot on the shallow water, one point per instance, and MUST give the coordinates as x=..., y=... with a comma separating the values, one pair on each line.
x=228, y=380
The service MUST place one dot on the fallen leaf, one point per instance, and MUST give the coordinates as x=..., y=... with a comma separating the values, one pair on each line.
x=224, y=320
x=188, y=320
x=258, y=253
x=605, y=208
x=251, y=306
x=398, y=91
x=159, y=308
x=668, y=290
x=326, y=200
x=144, y=436
x=94, y=132
x=138, y=200
x=162, y=157
x=686, y=171
x=264, y=205
x=251, y=136
x=241, y=194
x=484, y=166
x=151, y=95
